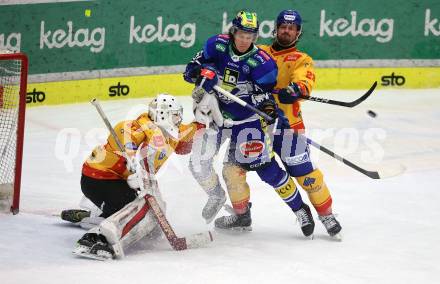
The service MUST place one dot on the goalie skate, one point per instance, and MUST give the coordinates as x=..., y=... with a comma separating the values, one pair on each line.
x=74, y=215
x=94, y=246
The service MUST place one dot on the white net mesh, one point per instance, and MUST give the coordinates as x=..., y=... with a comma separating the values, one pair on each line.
x=9, y=109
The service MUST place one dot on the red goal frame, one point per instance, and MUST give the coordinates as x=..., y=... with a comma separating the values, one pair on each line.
x=20, y=127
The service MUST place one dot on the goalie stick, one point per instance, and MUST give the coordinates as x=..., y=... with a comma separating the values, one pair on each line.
x=339, y=103
x=191, y=241
x=378, y=174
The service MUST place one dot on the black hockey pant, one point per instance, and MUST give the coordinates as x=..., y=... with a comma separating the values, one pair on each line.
x=109, y=195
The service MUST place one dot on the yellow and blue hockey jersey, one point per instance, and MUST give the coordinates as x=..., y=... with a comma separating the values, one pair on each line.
x=297, y=67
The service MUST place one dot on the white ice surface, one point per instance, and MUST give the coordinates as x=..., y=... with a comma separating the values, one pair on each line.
x=391, y=227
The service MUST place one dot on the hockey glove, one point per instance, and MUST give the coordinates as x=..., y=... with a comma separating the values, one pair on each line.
x=290, y=94
x=208, y=78
x=269, y=107
x=191, y=73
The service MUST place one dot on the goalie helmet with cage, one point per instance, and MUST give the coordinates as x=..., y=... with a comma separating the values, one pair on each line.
x=247, y=22
x=166, y=112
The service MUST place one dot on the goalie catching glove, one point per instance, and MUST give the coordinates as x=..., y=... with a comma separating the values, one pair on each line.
x=207, y=111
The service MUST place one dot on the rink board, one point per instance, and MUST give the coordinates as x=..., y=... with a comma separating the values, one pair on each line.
x=119, y=88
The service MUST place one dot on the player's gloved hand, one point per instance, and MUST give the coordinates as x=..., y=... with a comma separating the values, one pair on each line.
x=208, y=78
x=290, y=94
x=191, y=73
x=134, y=180
x=269, y=107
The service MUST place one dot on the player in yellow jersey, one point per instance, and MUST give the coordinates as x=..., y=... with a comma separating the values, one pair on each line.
x=110, y=181
x=296, y=76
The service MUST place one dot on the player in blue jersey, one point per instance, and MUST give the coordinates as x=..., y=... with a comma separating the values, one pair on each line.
x=235, y=63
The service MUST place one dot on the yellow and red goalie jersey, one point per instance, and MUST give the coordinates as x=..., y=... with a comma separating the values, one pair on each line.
x=106, y=161
x=293, y=67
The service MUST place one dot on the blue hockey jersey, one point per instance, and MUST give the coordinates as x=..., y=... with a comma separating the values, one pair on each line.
x=250, y=76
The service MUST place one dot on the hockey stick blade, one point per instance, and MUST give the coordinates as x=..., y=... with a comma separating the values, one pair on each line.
x=389, y=171
x=192, y=241
x=339, y=103
x=384, y=172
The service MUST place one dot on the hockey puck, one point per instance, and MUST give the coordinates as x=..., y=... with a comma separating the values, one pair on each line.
x=371, y=113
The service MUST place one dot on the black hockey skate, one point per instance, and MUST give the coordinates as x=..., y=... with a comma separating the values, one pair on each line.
x=238, y=222
x=94, y=246
x=332, y=226
x=74, y=215
x=213, y=205
x=305, y=220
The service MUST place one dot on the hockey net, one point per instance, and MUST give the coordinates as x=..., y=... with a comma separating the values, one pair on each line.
x=13, y=82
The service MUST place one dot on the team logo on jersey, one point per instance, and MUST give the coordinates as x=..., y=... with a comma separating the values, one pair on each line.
x=252, y=62
x=230, y=77
x=292, y=57
x=162, y=155
x=158, y=141
x=246, y=69
x=308, y=181
x=260, y=58
x=233, y=65
x=220, y=47
x=235, y=58
x=311, y=76
x=252, y=148
x=298, y=159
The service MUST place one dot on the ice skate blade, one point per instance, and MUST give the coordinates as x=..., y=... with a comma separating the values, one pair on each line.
x=311, y=237
x=234, y=230
x=208, y=221
x=84, y=252
x=337, y=237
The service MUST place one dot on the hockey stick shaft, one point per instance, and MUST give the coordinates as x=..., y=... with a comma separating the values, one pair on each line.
x=121, y=147
x=193, y=241
x=340, y=103
x=243, y=103
x=371, y=174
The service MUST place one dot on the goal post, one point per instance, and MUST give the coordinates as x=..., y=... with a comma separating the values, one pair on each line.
x=13, y=83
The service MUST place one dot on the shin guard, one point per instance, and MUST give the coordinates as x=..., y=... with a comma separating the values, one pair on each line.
x=317, y=191
x=238, y=188
x=290, y=194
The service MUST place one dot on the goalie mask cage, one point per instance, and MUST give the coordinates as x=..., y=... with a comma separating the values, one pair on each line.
x=13, y=82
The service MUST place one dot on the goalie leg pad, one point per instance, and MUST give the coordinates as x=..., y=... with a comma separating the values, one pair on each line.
x=238, y=188
x=317, y=191
x=129, y=225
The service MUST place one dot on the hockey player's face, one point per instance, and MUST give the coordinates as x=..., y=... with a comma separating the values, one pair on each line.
x=287, y=34
x=243, y=40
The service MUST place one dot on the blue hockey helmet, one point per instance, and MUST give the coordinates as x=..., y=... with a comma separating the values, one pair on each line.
x=245, y=21
x=289, y=17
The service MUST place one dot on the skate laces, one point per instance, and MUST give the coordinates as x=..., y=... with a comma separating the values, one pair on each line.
x=303, y=217
x=329, y=221
x=230, y=219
